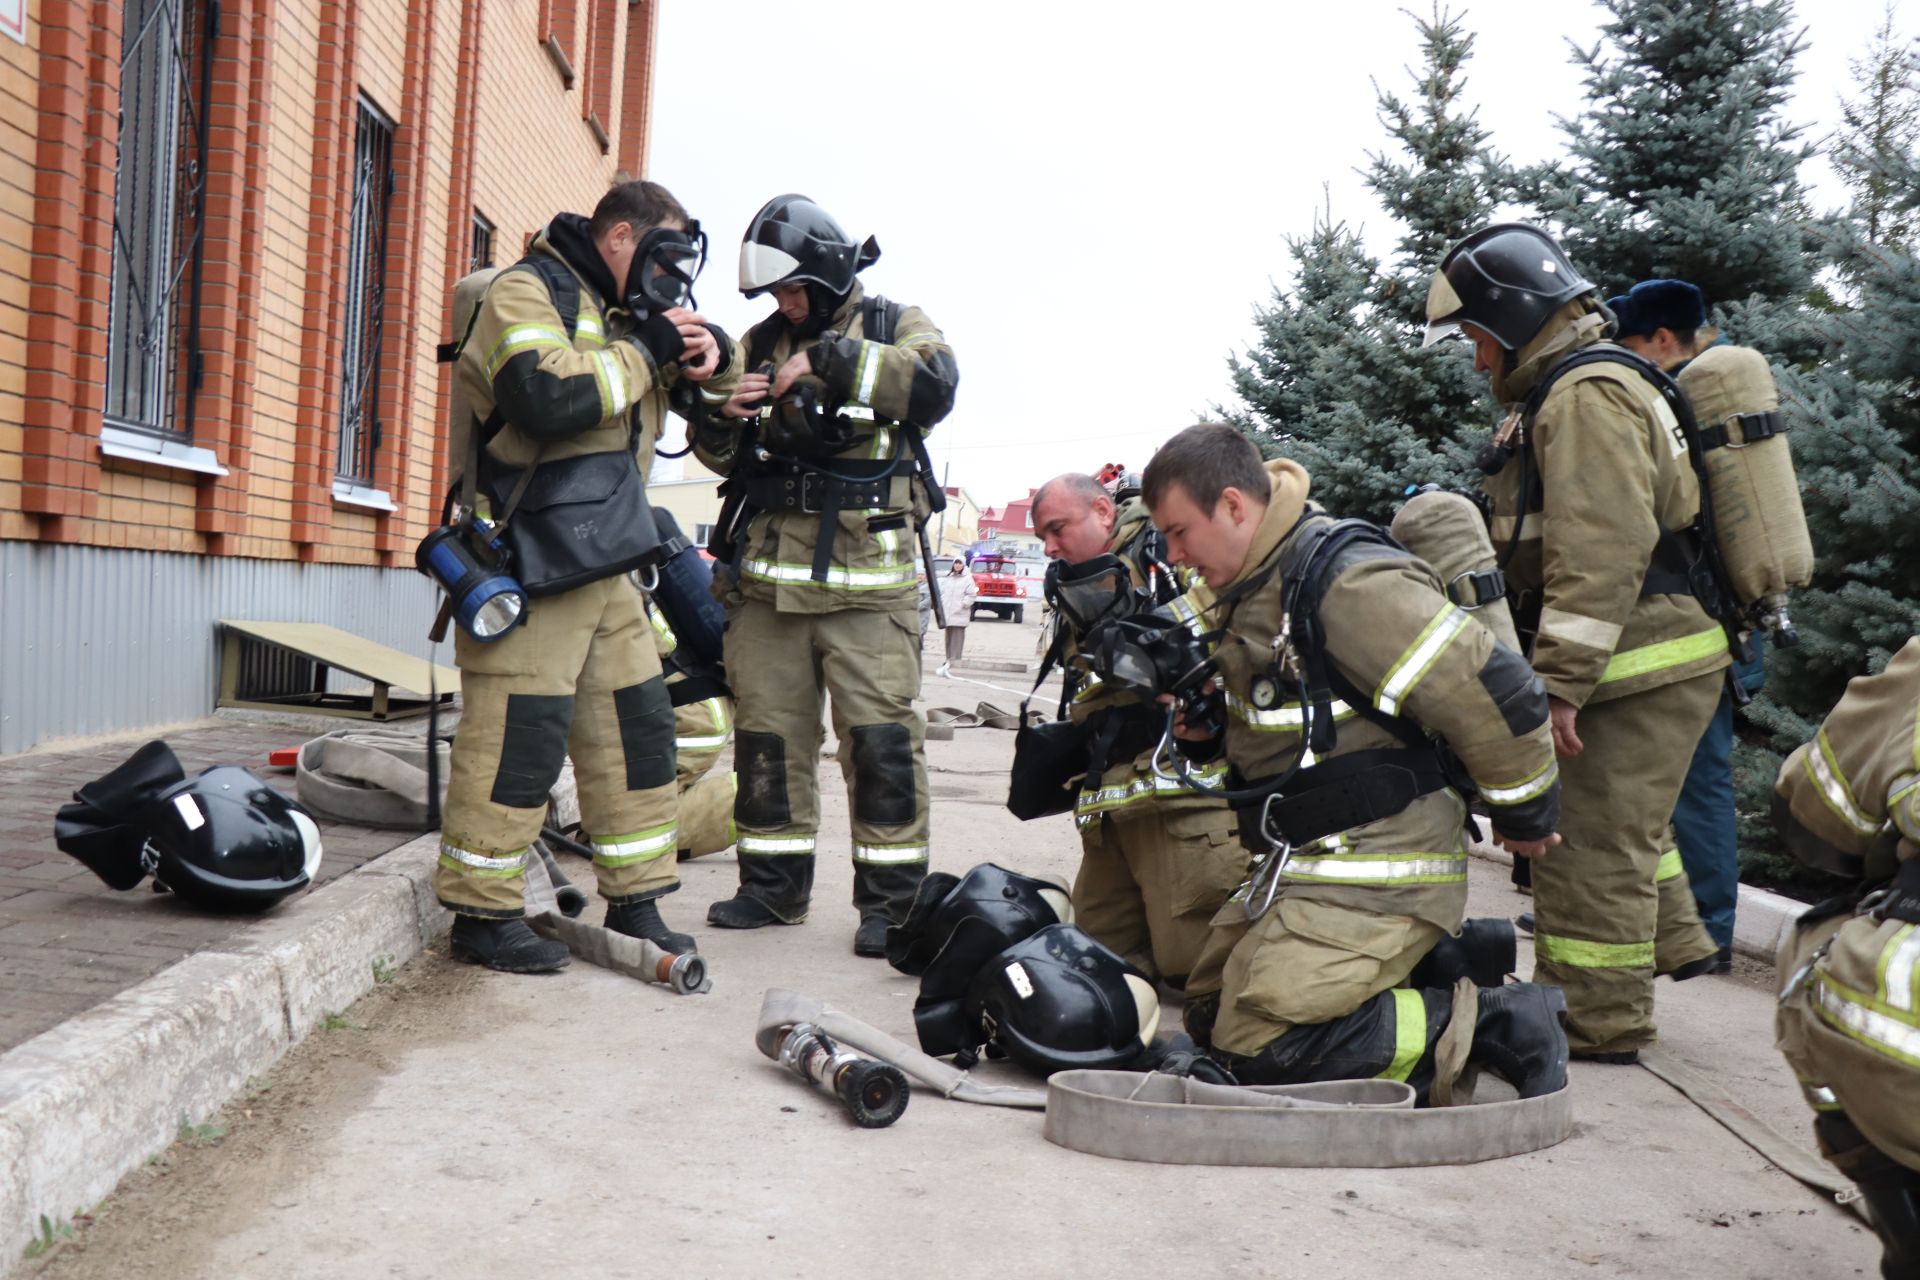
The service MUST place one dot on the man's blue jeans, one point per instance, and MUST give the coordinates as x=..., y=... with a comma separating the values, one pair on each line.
x=1703, y=821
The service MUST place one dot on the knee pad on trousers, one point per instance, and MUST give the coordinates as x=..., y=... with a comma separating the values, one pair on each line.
x=760, y=761
x=883, y=786
x=533, y=748
x=645, y=712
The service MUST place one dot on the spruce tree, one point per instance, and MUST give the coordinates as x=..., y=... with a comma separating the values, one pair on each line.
x=1879, y=126
x=1682, y=163
x=1337, y=378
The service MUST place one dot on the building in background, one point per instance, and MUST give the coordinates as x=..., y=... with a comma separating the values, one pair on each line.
x=1011, y=527
x=229, y=230
x=958, y=527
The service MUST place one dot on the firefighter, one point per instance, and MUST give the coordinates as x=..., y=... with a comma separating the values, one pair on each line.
x=579, y=675
x=1593, y=509
x=1847, y=802
x=823, y=494
x=1344, y=668
x=702, y=728
x=1157, y=859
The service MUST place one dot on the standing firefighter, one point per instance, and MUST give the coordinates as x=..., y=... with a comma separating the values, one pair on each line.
x=567, y=366
x=824, y=491
x=1360, y=700
x=1157, y=859
x=1849, y=1021
x=1595, y=503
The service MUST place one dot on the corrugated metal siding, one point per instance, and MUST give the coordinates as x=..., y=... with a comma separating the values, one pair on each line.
x=94, y=640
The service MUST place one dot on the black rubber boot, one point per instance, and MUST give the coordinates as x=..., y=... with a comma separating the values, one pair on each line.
x=1485, y=951
x=882, y=894
x=1891, y=1190
x=642, y=920
x=1524, y=923
x=1698, y=968
x=511, y=946
x=1519, y=1036
x=774, y=889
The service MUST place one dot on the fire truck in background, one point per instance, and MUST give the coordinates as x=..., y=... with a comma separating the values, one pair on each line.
x=1003, y=590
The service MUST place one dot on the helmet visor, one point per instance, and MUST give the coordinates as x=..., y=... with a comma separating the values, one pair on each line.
x=1444, y=309
x=783, y=253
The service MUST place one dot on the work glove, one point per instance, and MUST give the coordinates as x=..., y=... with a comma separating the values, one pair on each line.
x=659, y=338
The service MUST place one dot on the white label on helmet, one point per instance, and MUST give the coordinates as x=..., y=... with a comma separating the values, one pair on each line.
x=1549, y=266
x=190, y=812
x=1017, y=975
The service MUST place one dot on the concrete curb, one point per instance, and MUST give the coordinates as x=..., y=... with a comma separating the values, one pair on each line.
x=87, y=1102
x=1760, y=922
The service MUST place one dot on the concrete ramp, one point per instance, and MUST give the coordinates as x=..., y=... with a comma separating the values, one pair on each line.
x=284, y=666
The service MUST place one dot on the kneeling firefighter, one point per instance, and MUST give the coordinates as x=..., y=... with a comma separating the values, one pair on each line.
x=564, y=371
x=827, y=485
x=1157, y=858
x=702, y=702
x=1848, y=802
x=1361, y=704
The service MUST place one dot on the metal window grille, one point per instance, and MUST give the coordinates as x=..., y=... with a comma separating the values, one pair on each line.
x=159, y=210
x=366, y=294
x=482, y=243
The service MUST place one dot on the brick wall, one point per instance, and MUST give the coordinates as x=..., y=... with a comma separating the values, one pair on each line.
x=486, y=118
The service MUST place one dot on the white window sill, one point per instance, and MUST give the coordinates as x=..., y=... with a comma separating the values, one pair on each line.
x=137, y=446
x=348, y=494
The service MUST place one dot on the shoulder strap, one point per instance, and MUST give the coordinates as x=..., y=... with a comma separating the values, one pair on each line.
x=563, y=287
x=879, y=318
x=762, y=339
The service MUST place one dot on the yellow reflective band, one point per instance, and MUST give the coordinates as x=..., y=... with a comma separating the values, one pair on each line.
x=1409, y=1034
x=1831, y=782
x=884, y=855
x=866, y=372
x=847, y=579
x=523, y=337
x=1531, y=787
x=931, y=337
x=613, y=383
x=640, y=846
x=1668, y=653
x=1087, y=690
x=1819, y=1097
x=454, y=858
x=1669, y=866
x=1901, y=807
x=1102, y=799
x=776, y=844
x=1899, y=966
x=1282, y=719
x=718, y=708
x=586, y=326
x=1419, y=658
x=660, y=627
x=882, y=444
x=1379, y=868
x=1581, y=954
x=1859, y=1017
x=1577, y=628
x=705, y=742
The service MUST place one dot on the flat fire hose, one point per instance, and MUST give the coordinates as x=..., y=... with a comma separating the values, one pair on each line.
x=781, y=1009
x=1344, y=1124
x=1779, y=1150
x=634, y=957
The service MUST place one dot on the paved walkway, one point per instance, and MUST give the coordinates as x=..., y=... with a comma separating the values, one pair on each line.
x=67, y=941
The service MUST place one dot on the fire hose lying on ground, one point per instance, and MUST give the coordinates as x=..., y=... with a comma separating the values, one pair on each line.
x=1165, y=1119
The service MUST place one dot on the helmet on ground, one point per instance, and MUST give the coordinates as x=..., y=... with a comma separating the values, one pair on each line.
x=224, y=840
x=1507, y=280
x=1059, y=1001
x=792, y=240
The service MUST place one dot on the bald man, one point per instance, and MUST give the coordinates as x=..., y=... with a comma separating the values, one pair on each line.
x=1157, y=860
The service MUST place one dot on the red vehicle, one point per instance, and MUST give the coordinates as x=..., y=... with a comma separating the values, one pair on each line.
x=1001, y=591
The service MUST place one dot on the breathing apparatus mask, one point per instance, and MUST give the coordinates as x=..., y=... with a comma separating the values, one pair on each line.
x=1155, y=654
x=1090, y=592
x=665, y=264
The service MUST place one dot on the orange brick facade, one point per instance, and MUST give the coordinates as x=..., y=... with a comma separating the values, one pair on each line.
x=510, y=109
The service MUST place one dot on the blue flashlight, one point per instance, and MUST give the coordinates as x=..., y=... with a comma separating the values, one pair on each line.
x=487, y=601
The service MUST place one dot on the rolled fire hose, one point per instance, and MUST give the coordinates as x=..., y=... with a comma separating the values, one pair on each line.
x=635, y=957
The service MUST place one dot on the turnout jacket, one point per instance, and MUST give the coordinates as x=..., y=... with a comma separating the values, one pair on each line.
x=1849, y=1018
x=1391, y=633
x=906, y=385
x=1128, y=786
x=563, y=398
x=1606, y=472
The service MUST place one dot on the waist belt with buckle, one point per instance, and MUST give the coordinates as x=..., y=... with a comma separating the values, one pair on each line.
x=1342, y=793
x=812, y=493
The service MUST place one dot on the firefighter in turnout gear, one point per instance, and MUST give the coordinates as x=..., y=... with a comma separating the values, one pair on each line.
x=1360, y=700
x=1157, y=859
x=548, y=382
x=825, y=488
x=702, y=728
x=1848, y=802
x=1594, y=502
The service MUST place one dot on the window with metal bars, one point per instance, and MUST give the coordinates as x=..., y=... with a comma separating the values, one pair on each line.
x=482, y=242
x=159, y=208
x=366, y=294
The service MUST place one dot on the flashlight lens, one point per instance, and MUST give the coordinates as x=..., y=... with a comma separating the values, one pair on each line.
x=497, y=615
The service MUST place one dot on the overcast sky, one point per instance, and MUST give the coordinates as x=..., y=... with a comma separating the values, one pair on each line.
x=1090, y=198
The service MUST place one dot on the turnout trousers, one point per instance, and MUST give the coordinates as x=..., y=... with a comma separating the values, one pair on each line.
x=1150, y=882
x=701, y=732
x=580, y=677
